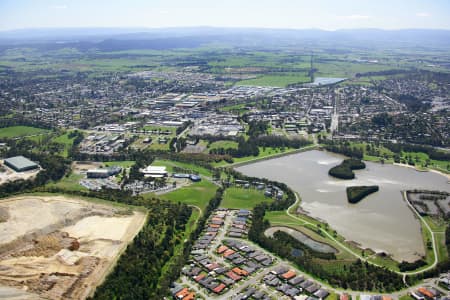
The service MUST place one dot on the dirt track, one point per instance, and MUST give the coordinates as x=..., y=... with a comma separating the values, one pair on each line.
x=61, y=248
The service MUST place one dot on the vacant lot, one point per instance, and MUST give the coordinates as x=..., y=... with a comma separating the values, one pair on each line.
x=242, y=198
x=59, y=247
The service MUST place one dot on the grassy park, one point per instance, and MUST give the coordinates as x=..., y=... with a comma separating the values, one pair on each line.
x=21, y=131
x=197, y=194
x=240, y=198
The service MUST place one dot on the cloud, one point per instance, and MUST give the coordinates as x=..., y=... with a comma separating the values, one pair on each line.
x=423, y=14
x=354, y=17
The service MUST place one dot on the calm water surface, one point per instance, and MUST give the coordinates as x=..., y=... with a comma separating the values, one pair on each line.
x=382, y=221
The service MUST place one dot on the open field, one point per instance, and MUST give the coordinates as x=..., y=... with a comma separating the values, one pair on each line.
x=124, y=164
x=420, y=159
x=239, y=198
x=70, y=182
x=197, y=194
x=263, y=153
x=281, y=80
x=171, y=164
x=68, y=250
x=65, y=141
x=20, y=131
x=223, y=144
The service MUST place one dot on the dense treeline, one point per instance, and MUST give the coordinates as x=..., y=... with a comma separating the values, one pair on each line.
x=342, y=148
x=291, y=245
x=281, y=141
x=345, y=148
x=413, y=103
x=251, y=146
x=200, y=159
x=183, y=127
x=383, y=73
x=356, y=275
x=405, y=266
x=345, y=169
x=432, y=152
x=357, y=193
x=20, y=121
x=138, y=273
x=257, y=128
x=77, y=137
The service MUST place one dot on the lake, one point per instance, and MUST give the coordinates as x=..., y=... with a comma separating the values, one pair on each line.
x=382, y=221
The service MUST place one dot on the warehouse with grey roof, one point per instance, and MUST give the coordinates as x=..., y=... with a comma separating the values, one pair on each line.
x=20, y=163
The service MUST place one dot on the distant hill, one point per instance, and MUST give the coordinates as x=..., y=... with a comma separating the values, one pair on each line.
x=112, y=39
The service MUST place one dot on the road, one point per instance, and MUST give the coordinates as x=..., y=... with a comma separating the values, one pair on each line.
x=433, y=240
x=404, y=274
x=335, y=117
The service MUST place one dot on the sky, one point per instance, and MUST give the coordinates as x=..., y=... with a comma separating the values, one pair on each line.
x=321, y=14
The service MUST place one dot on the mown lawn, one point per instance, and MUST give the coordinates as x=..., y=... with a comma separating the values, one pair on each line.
x=240, y=198
x=70, y=182
x=223, y=144
x=124, y=164
x=198, y=194
x=19, y=131
x=171, y=164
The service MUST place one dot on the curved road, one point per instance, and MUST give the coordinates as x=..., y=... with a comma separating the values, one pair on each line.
x=297, y=200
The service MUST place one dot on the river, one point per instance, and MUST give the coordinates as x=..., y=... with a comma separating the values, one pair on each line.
x=382, y=221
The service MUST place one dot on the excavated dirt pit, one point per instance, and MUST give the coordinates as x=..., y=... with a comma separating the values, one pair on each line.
x=56, y=247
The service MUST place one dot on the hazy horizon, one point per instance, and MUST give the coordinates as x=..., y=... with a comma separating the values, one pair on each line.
x=264, y=14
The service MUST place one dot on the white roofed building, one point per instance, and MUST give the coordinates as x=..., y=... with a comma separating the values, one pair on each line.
x=155, y=171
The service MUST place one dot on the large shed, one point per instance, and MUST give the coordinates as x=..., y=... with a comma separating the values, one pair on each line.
x=20, y=163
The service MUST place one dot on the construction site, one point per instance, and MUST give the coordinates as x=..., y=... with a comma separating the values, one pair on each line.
x=56, y=247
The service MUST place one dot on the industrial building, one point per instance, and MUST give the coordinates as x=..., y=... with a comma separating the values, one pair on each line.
x=103, y=173
x=20, y=163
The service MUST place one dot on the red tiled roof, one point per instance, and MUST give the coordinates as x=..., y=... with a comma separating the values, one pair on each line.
x=183, y=293
x=219, y=288
x=288, y=275
x=199, y=277
x=240, y=271
x=222, y=249
x=233, y=276
x=228, y=252
x=426, y=292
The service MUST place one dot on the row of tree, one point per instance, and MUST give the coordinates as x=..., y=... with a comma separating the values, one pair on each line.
x=343, y=148
x=251, y=146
